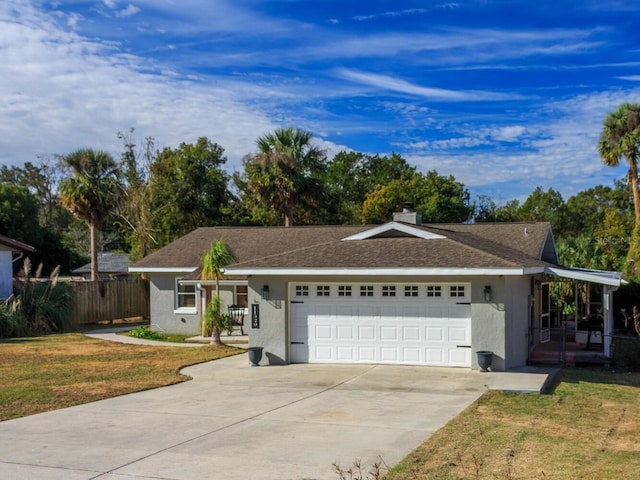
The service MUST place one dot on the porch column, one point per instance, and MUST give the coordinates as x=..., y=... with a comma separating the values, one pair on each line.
x=607, y=305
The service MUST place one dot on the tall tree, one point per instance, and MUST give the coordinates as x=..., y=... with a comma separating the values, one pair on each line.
x=188, y=189
x=135, y=212
x=351, y=176
x=541, y=206
x=438, y=198
x=219, y=255
x=285, y=176
x=92, y=193
x=619, y=138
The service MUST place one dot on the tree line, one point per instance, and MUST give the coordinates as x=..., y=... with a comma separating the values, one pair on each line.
x=72, y=206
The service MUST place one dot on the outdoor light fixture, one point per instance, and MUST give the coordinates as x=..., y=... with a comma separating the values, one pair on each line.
x=487, y=293
x=265, y=292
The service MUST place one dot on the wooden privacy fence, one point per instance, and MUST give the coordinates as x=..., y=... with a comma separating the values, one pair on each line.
x=108, y=300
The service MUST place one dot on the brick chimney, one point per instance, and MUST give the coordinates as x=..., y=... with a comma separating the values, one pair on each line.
x=408, y=215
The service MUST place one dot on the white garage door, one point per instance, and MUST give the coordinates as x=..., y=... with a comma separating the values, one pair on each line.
x=413, y=324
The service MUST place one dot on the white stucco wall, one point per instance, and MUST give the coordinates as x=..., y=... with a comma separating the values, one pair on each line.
x=499, y=325
x=165, y=317
x=6, y=274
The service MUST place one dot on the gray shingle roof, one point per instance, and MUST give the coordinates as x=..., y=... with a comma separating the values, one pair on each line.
x=494, y=245
x=107, y=263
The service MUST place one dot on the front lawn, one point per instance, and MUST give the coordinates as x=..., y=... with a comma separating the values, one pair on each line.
x=588, y=428
x=55, y=371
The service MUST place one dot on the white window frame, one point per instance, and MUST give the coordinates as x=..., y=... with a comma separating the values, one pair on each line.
x=301, y=290
x=367, y=291
x=245, y=293
x=434, y=291
x=388, y=290
x=323, y=290
x=457, y=291
x=344, y=290
x=411, y=291
x=178, y=294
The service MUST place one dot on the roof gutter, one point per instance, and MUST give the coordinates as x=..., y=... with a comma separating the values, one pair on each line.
x=404, y=272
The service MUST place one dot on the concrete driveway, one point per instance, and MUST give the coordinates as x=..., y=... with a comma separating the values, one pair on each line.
x=237, y=422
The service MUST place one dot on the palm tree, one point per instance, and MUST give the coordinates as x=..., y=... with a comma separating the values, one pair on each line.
x=92, y=192
x=219, y=255
x=282, y=173
x=619, y=138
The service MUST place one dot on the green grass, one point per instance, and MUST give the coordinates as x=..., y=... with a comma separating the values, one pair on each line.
x=588, y=428
x=56, y=371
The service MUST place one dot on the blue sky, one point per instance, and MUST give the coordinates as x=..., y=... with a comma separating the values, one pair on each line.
x=503, y=95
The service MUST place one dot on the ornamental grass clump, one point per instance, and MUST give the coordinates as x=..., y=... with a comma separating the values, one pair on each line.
x=38, y=306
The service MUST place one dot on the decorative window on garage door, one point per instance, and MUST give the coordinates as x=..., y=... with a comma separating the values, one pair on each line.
x=434, y=291
x=388, y=291
x=344, y=290
x=323, y=290
x=456, y=290
x=366, y=290
x=302, y=290
x=410, y=290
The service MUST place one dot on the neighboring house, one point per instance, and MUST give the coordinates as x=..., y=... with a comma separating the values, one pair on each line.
x=398, y=293
x=111, y=266
x=9, y=247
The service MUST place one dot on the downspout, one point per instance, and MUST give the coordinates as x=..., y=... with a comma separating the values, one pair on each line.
x=19, y=257
x=200, y=289
x=607, y=304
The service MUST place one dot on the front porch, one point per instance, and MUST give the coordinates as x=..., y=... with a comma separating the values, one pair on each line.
x=562, y=349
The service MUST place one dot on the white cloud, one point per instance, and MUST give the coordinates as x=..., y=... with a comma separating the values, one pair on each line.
x=128, y=11
x=401, y=86
x=69, y=92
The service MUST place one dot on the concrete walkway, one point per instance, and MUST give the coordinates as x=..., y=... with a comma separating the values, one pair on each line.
x=233, y=421
x=112, y=334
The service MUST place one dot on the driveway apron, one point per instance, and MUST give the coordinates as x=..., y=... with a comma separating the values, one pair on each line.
x=233, y=421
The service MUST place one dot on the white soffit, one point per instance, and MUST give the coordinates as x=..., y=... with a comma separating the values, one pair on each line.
x=594, y=276
x=399, y=227
x=162, y=269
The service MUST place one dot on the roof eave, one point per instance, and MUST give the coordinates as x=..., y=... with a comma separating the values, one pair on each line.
x=162, y=269
x=516, y=271
x=602, y=277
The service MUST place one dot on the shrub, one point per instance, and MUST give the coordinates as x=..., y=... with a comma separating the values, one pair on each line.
x=145, y=332
x=11, y=323
x=44, y=306
x=626, y=352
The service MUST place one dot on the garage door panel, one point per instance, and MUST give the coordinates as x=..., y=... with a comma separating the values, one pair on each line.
x=434, y=334
x=389, y=334
x=366, y=311
x=345, y=332
x=323, y=353
x=434, y=356
x=411, y=355
x=389, y=355
x=411, y=312
x=459, y=357
x=396, y=330
x=346, y=354
x=366, y=332
x=367, y=354
x=411, y=334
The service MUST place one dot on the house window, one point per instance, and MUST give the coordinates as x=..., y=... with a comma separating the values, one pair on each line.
x=411, y=291
x=434, y=291
x=344, y=290
x=366, y=290
x=457, y=290
x=388, y=291
x=242, y=296
x=185, y=295
x=323, y=290
x=302, y=290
